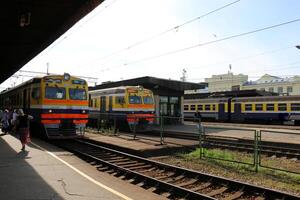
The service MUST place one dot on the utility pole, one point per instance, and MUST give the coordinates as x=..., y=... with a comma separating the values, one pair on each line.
x=183, y=78
x=47, y=68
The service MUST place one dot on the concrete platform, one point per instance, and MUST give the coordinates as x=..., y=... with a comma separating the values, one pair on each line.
x=143, y=145
x=47, y=172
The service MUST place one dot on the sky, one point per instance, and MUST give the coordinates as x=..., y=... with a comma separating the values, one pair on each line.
x=123, y=39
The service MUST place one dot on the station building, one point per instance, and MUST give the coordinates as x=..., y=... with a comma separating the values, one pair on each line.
x=282, y=86
x=168, y=94
x=226, y=82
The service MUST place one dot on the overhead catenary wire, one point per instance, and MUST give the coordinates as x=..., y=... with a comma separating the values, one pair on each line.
x=244, y=57
x=162, y=33
x=212, y=42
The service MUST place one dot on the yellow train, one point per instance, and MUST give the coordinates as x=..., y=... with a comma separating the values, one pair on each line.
x=58, y=103
x=127, y=106
x=277, y=109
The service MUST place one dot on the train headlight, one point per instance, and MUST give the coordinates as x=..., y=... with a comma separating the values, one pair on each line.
x=50, y=111
x=83, y=111
x=67, y=76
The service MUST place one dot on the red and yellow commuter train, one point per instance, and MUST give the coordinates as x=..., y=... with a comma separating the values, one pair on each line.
x=128, y=106
x=58, y=103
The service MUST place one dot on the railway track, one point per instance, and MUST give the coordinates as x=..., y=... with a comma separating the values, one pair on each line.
x=170, y=181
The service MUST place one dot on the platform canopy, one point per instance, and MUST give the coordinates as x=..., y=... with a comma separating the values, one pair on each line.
x=157, y=85
x=29, y=26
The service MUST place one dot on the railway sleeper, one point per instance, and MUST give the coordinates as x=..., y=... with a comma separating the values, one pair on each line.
x=173, y=179
x=234, y=195
x=186, y=183
x=131, y=165
x=140, y=167
x=124, y=162
x=201, y=186
x=217, y=191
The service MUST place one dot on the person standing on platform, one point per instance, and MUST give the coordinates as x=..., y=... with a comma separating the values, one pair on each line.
x=14, y=120
x=23, y=122
x=5, y=121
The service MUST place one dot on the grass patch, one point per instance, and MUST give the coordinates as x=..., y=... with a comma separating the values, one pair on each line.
x=242, y=163
x=275, y=179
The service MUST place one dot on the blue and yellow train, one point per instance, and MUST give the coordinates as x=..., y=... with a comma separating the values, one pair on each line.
x=58, y=103
x=265, y=109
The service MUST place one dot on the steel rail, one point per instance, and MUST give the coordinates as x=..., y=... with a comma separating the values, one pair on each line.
x=135, y=168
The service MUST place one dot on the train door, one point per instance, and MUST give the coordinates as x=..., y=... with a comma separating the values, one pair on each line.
x=103, y=104
x=238, y=116
x=229, y=110
x=110, y=102
x=221, y=114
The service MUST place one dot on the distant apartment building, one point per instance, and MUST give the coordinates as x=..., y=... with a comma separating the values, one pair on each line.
x=283, y=86
x=226, y=82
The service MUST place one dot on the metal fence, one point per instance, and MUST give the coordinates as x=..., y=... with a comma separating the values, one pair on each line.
x=175, y=130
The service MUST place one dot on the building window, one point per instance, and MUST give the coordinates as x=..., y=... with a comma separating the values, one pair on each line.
x=258, y=107
x=282, y=107
x=186, y=107
x=200, y=107
x=271, y=89
x=289, y=89
x=248, y=107
x=280, y=90
x=270, y=107
x=295, y=106
x=207, y=107
x=193, y=107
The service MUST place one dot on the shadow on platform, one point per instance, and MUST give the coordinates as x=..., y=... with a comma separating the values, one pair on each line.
x=18, y=179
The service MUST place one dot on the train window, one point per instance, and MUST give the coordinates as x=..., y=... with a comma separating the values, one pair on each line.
x=135, y=100
x=77, y=94
x=295, y=106
x=200, y=107
x=186, y=107
x=35, y=93
x=270, y=107
x=120, y=100
x=207, y=107
x=282, y=107
x=55, y=93
x=258, y=107
x=213, y=107
x=248, y=107
x=148, y=100
x=193, y=107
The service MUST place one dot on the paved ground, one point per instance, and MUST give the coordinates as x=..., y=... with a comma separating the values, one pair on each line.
x=35, y=174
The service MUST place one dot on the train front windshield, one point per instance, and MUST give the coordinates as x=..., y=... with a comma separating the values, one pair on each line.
x=148, y=100
x=135, y=100
x=55, y=93
x=77, y=94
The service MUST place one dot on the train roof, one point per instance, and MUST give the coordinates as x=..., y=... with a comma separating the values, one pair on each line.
x=114, y=90
x=267, y=98
x=37, y=80
x=229, y=94
x=31, y=81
